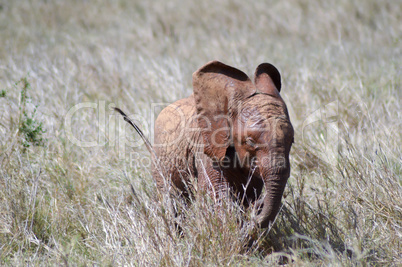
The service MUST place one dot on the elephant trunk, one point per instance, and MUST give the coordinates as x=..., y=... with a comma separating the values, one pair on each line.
x=275, y=182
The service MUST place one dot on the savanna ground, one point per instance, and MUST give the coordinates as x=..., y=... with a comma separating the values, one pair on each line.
x=63, y=64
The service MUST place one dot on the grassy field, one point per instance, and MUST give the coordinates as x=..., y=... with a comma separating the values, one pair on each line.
x=75, y=186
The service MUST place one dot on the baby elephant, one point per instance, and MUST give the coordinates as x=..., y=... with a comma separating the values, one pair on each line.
x=233, y=136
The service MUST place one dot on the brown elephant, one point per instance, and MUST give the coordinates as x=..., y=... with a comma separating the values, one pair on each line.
x=233, y=136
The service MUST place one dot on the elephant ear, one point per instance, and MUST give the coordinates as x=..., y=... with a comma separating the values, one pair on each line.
x=218, y=89
x=267, y=79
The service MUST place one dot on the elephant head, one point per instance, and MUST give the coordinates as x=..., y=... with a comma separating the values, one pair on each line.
x=252, y=118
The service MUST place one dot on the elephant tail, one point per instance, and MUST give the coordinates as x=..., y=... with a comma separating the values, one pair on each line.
x=148, y=144
x=143, y=137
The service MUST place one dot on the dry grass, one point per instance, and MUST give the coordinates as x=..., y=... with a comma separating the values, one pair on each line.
x=65, y=204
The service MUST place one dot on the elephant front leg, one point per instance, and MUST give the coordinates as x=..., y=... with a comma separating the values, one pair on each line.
x=212, y=180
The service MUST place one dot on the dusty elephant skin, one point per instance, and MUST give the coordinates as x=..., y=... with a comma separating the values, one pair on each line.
x=231, y=135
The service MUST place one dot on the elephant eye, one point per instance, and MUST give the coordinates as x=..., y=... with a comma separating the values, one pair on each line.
x=250, y=141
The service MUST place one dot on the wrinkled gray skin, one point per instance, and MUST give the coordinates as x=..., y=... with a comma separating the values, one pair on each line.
x=232, y=135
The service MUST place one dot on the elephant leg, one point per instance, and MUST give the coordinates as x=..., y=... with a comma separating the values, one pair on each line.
x=220, y=186
x=211, y=179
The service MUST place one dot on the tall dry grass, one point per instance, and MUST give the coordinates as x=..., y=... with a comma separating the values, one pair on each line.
x=61, y=203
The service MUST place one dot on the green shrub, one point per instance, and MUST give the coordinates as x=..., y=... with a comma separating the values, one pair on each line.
x=30, y=128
